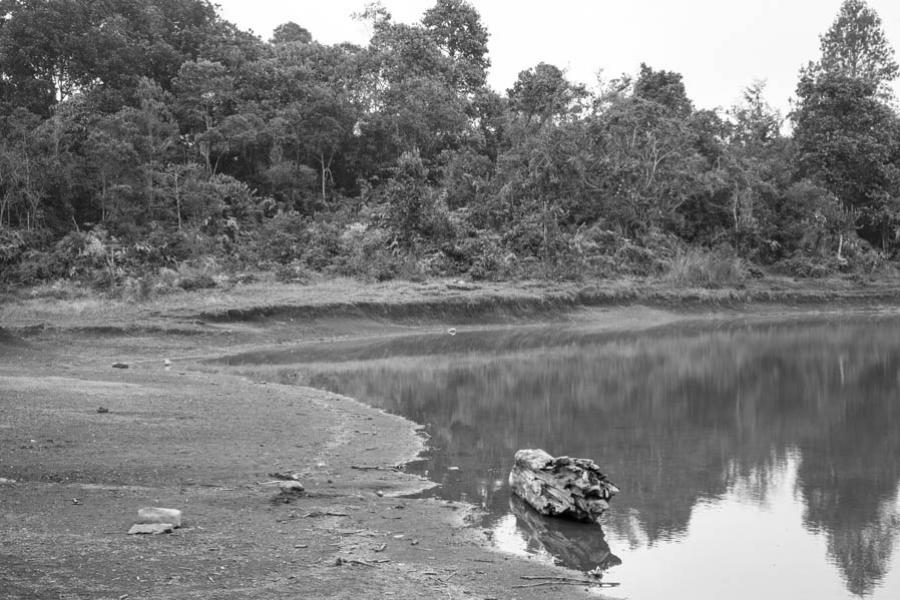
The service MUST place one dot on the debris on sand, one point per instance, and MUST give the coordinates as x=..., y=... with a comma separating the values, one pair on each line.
x=151, y=528
x=6, y=481
x=120, y=365
x=102, y=410
x=169, y=516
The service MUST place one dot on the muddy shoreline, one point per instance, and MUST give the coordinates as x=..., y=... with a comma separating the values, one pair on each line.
x=201, y=436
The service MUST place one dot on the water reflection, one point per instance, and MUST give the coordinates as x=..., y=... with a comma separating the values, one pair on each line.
x=792, y=428
x=575, y=545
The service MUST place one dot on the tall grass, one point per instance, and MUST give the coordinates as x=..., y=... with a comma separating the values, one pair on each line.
x=706, y=269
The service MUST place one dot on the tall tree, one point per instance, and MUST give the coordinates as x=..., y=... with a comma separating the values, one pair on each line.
x=846, y=136
x=856, y=47
x=666, y=88
x=291, y=32
x=456, y=28
x=544, y=93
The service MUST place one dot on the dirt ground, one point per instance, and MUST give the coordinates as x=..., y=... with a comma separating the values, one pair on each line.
x=84, y=445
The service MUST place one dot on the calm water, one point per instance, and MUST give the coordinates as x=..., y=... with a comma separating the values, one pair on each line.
x=755, y=460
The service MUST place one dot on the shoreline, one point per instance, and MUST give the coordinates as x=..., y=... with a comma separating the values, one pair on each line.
x=202, y=436
x=30, y=312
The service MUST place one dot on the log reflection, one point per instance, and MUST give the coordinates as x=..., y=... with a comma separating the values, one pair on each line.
x=576, y=545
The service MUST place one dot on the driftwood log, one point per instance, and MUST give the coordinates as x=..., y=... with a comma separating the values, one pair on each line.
x=561, y=487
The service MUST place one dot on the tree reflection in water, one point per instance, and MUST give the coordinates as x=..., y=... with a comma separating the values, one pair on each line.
x=675, y=417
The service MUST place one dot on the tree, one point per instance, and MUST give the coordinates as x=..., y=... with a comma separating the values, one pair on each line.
x=663, y=87
x=544, y=93
x=204, y=93
x=847, y=137
x=290, y=32
x=52, y=49
x=456, y=28
x=855, y=46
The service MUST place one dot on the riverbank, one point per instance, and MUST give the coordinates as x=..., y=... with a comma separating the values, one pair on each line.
x=68, y=307
x=88, y=444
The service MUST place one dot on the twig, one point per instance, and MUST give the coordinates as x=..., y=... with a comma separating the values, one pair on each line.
x=378, y=468
x=548, y=578
x=564, y=581
x=342, y=561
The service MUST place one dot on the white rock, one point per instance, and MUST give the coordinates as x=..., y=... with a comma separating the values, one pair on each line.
x=151, y=528
x=160, y=515
x=290, y=487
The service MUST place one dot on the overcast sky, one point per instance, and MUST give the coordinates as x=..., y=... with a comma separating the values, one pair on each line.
x=719, y=46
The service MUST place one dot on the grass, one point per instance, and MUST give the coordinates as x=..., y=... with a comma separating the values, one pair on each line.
x=692, y=280
x=696, y=268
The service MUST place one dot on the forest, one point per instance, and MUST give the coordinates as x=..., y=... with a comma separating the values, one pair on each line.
x=150, y=145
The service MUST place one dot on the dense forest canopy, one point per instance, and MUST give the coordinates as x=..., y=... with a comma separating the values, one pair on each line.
x=140, y=136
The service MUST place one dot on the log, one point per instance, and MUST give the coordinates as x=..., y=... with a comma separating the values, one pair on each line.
x=561, y=487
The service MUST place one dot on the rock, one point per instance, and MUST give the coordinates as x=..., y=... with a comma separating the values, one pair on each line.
x=285, y=476
x=462, y=285
x=561, y=487
x=151, y=528
x=291, y=487
x=5, y=481
x=120, y=365
x=102, y=410
x=170, y=516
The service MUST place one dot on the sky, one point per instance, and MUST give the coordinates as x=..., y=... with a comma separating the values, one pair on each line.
x=719, y=46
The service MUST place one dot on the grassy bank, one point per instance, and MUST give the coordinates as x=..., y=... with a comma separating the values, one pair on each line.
x=70, y=307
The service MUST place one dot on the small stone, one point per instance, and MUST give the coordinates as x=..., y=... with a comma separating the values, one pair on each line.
x=379, y=493
x=151, y=528
x=170, y=516
x=120, y=365
x=102, y=410
x=290, y=487
x=167, y=362
x=453, y=468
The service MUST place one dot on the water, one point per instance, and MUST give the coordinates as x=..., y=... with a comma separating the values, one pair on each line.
x=755, y=459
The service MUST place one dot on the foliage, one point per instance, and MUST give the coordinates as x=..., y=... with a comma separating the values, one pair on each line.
x=151, y=146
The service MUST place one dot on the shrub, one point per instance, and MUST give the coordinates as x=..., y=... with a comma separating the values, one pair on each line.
x=805, y=265
x=12, y=245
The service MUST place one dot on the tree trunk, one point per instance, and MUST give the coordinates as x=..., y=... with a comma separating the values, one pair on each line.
x=177, y=200
x=562, y=487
